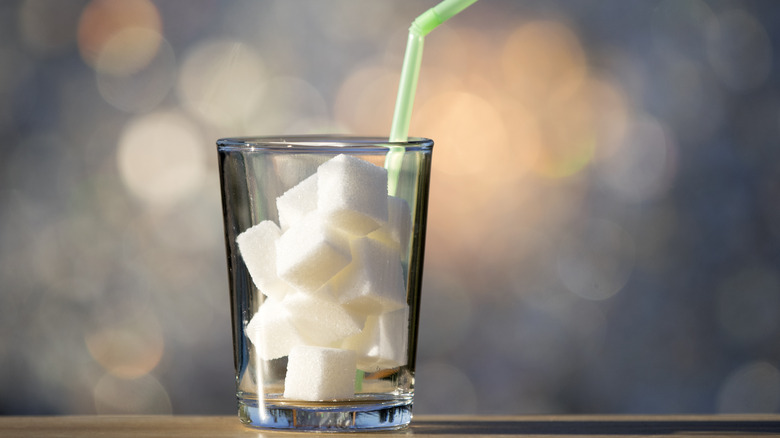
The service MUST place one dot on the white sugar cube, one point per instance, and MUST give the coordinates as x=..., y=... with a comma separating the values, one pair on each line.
x=311, y=252
x=257, y=246
x=272, y=332
x=297, y=202
x=374, y=281
x=352, y=193
x=397, y=230
x=317, y=373
x=320, y=321
x=382, y=343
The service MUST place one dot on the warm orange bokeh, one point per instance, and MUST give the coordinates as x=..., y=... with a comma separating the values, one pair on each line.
x=119, y=36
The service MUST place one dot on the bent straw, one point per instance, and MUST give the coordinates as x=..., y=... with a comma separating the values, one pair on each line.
x=410, y=71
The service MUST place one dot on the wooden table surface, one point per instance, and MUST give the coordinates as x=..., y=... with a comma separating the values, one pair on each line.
x=424, y=426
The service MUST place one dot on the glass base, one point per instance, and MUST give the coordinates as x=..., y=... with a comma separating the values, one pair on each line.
x=359, y=415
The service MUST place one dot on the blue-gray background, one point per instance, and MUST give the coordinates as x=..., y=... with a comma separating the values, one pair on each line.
x=603, y=230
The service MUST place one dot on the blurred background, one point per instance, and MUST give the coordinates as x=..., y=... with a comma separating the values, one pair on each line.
x=604, y=225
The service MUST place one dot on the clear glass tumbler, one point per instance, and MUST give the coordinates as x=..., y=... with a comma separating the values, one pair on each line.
x=325, y=238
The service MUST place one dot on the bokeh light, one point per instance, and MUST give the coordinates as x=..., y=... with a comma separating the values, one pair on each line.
x=119, y=37
x=543, y=63
x=475, y=141
x=220, y=82
x=130, y=350
x=602, y=227
x=289, y=106
x=739, y=50
x=643, y=167
x=146, y=87
x=753, y=387
x=596, y=264
x=161, y=157
x=366, y=98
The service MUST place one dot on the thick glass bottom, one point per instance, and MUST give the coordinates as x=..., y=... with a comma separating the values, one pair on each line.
x=359, y=415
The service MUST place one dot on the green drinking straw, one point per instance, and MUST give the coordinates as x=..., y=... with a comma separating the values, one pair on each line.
x=420, y=27
x=410, y=71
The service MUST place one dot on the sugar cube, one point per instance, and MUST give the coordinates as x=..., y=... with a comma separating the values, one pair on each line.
x=311, y=252
x=297, y=202
x=257, y=246
x=382, y=343
x=320, y=321
x=374, y=281
x=353, y=193
x=318, y=373
x=397, y=230
x=271, y=330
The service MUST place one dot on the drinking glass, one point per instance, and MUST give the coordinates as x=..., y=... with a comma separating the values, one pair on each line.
x=302, y=324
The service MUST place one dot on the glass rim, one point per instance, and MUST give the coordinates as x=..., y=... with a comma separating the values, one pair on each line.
x=319, y=143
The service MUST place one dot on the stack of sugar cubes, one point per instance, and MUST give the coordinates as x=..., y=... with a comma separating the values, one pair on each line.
x=332, y=276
